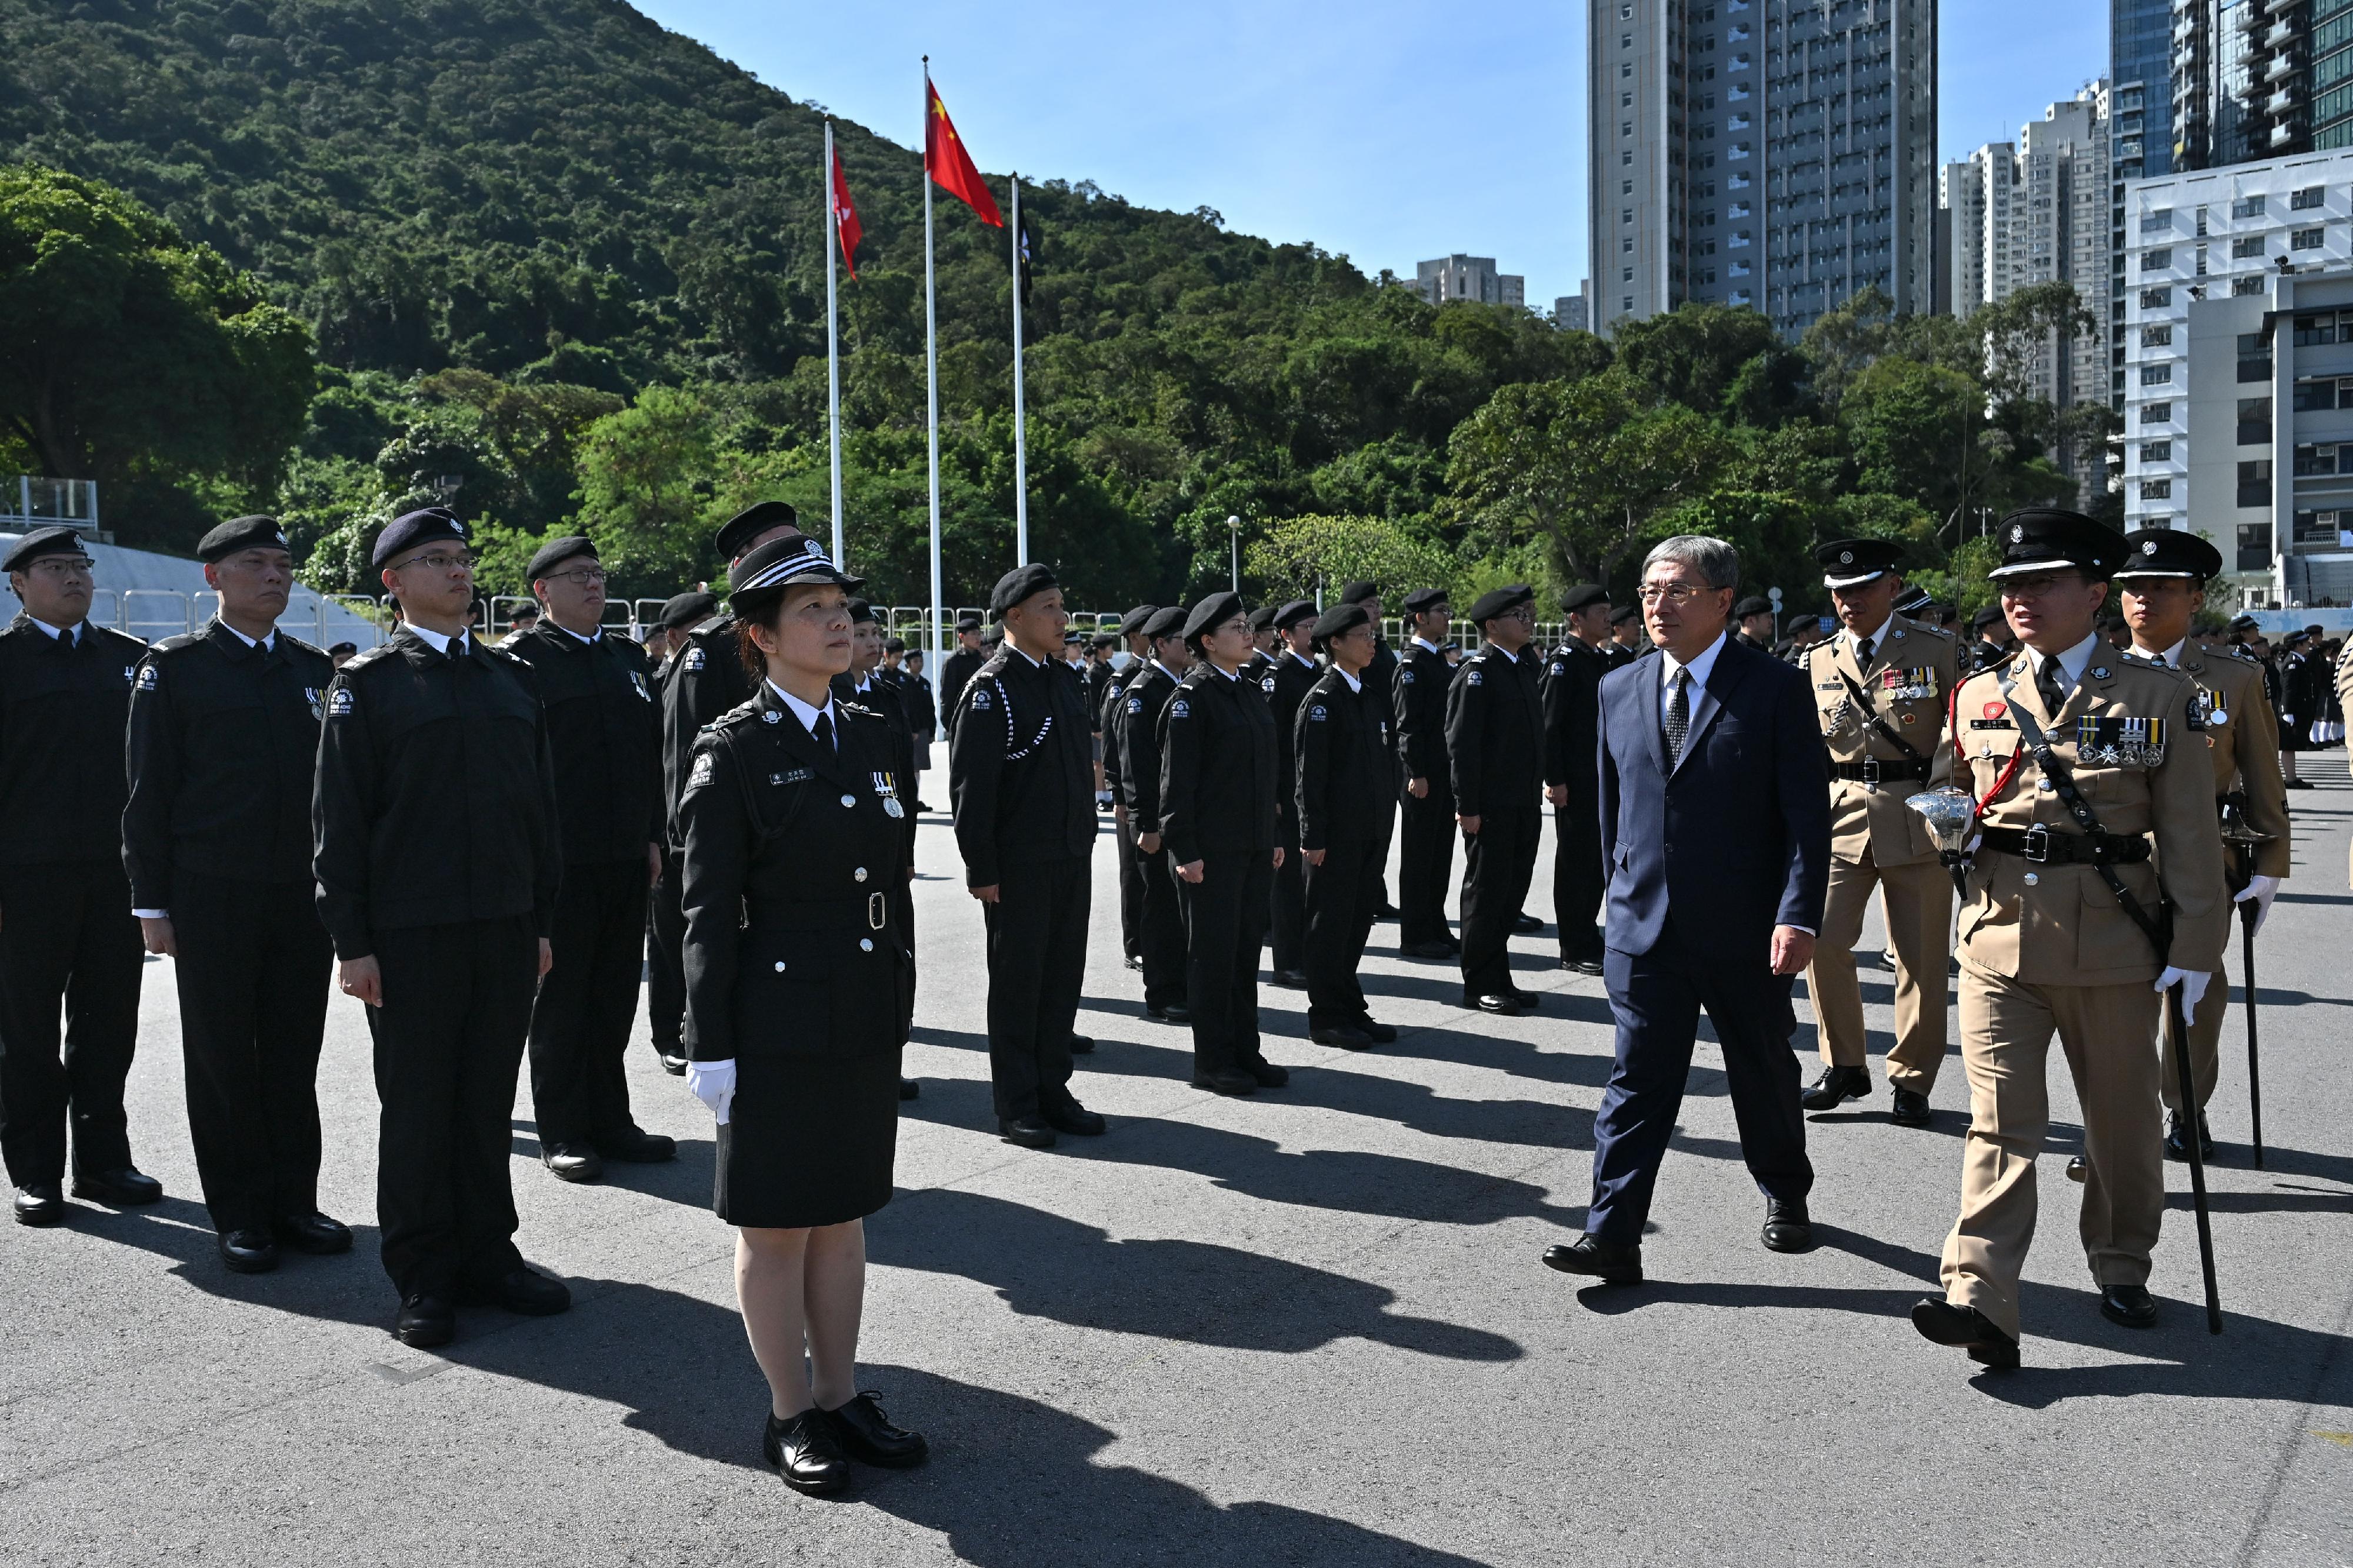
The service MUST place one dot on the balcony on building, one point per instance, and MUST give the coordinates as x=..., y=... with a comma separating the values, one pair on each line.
x=33, y=502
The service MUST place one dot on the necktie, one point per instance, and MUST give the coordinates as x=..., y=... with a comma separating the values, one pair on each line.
x=457, y=647
x=1863, y=654
x=2054, y=696
x=1678, y=715
x=822, y=731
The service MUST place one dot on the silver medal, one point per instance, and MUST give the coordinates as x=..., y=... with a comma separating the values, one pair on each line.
x=890, y=803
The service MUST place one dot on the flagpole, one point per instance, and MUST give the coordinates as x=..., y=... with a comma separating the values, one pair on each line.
x=1020, y=443
x=833, y=342
x=932, y=371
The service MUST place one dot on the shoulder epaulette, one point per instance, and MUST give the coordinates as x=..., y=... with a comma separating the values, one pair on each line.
x=366, y=656
x=174, y=643
x=858, y=710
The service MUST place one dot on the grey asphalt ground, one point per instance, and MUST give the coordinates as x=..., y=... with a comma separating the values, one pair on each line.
x=1304, y=1328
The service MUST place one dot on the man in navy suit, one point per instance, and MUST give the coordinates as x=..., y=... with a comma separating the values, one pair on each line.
x=1716, y=831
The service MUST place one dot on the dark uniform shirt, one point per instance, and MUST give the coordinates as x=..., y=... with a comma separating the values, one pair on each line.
x=1218, y=760
x=223, y=749
x=1572, y=719
x=1342, y=741
x=436, y=797
x=706, y=679
x=1141, y=699
x=604, y=733
x=1292, y=679
x=956, y=674
x=1020, y=772
x=1493, y=732
x=1111, y=707
x=1418, y=706
x=63, y=707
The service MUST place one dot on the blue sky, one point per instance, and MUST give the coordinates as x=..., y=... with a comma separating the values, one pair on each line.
x=1384, y=131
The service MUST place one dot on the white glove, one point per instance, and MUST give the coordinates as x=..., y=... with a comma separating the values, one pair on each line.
x=2261, y=892
x=714, y=1083
x=2194, y=988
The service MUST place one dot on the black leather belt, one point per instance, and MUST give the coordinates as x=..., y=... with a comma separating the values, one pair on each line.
x=2045, y=848
x=1876, y=770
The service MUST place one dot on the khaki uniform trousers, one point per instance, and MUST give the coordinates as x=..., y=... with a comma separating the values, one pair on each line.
x=2205, y=1045
x=2006, y=1029
x=1919, y=924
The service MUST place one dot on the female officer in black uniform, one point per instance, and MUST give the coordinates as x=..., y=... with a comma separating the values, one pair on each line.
x=798, y=985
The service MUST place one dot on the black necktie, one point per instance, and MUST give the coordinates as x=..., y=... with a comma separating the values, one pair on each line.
x=1678, y=714
x=2054, y=696
x=822, y=731
x=1863, y=654
x=457, y=647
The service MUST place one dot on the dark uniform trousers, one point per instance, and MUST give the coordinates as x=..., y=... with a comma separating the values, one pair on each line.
x=1343, y=896
x=1576, y=881
x=1287, y=915
x=1037, y=957
x=1131, y=892
x=588, y=1003
x=448, y=1044
x=67, y=940
x=1498, y=863
x=666, y=955
x=253, y=969
x=1225, y=926
x=1160, y=934
x=1425, y=865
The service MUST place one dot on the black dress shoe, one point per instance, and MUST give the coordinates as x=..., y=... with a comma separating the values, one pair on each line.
x=1502, y=1006
x=1611, y=1262
x=572, y=1162
x=1965, y=1328
x=1787, y=1226
x=1428, y=950
x=1076, y=1119
x=124, y=1188
x=1835, y=1084
x=523, y=1290
x=1291, y=978
x=313, y=1232
x=868, y=1437
x=247, y=1250
x=1580, y=965
x=1379, y=1034
x=1133, y=962
x=635, y=1146
x=425, y=1320
x=674, y=1063
x=909, y=1088
x=1226, y=1081
x=1523, y=922
x=1175, y=1013
x=805, y=1450
x=1528, y=1000
x=2130, y=1305
x=1029, y=1131
x=1267, y=1075
x=1910, y=1108
x=2177, y=1141
x=1083, y=1045
x=40, y=1204
x=1345, y=1036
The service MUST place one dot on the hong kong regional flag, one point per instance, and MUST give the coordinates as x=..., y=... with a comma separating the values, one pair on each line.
x=947, y=163
x=845, y=219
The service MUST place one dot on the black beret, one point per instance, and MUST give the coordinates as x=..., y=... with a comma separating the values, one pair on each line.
x=1498, y=601
x=526, y=611
x=1103, y=639
x=556, y=551
x=687, y=610
x=1168, y=623
x=968, y=622
x=1136, y=619
x=1803, y=618
x=1263, y=618
x=760, y=579
x=1986, y=615
x=2169, y=553
x=1357, y=592
x=2043, y=538
x=1622, y=614
x=241, y=533
x=44, y=542
x=1422, y=600
x=2245, y=624
x=735, y=535
x=1849, y=562
x=1755, y=605
x=1340, y=619
x=860, y=613
x=335, y=648
x=1020, y=583
x=1214, y=611
x=1583, y=596
x=1292, y=614
x=412, y=529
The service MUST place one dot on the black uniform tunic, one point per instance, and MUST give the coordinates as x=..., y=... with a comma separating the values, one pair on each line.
x=1572, y=729
x=1494, y=729
x=1425, y=857
x=224, y=748
x=956, y=674
x=796, y=969
x=1291, y=678
x=67, y=942
x=605, y=734
x=1113, y=709
x=1160, y=930
x=1342, y=808
x=1218, y=762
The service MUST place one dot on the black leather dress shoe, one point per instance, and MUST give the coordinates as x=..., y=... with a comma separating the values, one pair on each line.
x=1268, y=1074
x=1225, y=1081
x=2177, y=1139
x=1345, y=1036
x=572, y=1162
x=805, y=1450
x=1835, y=1084
x=1580, y=965
x=2130, y=1305
x=1175, y=1013
x=1291, y=978
x=1083, y=1045
x=1076, y=1119
x=1611, y=1262
x=521, y=1291
x=867, y=1437
x=313, y=1232
x=1428, y=950
x=1965, y=1328
x=674, y=1063
x=635, y=1146
x=247, y=1250
x=909, y=1088
x=40, y=1204
x=125, y=1188
x=1529, y=1001
x=1134, y=962
x=1029, y=1131
x=1788, y=1227
x=425, y=1320
x=1910, y=1108
x=1502, y=1006
x=1524, y=924
x=1379, y=1034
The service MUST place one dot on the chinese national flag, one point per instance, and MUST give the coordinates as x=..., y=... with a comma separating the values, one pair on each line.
x=947, y=163
x=845, y=219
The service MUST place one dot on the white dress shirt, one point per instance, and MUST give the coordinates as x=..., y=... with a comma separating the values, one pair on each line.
x=2071, y=664
x=807, y=715
x=1695, y=692
x=437, y=641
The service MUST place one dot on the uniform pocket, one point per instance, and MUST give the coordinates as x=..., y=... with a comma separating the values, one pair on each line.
x=2107, y=938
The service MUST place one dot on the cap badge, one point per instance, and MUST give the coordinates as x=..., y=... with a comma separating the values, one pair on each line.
x=2017, y=534
x=2099, y=672
x=1846, y=557
x=2149, y=547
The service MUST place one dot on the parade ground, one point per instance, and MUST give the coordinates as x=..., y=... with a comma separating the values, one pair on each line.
x=1307, y=1327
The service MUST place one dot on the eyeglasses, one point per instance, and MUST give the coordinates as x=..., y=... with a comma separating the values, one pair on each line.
x=438, y=562
x=1672, y=593
x=587, y=576
x=2034, y=587
x=62, y=565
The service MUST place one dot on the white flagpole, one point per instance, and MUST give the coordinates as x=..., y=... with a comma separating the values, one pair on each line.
x=833, y=342
x=931, y=372
x=1020, y=445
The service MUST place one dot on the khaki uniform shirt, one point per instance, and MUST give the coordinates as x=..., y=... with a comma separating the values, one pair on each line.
x=2045, y=924
x=1909, y=680
x=2242, y=734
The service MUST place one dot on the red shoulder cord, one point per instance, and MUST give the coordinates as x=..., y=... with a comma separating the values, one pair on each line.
x=1952, y=738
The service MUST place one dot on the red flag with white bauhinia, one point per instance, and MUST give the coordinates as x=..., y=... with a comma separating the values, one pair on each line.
x=945, y=160
x=845, y=219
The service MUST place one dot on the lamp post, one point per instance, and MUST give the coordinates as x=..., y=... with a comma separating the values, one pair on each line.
x=1234, y=527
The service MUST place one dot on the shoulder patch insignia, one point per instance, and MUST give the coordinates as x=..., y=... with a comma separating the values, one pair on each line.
x=980, y=697
x=700, y=773
x=1317, y=714
x=1179, y=708
x=1406, y=675
x=148, y=676
x=1136, y=705
x=340, y=702
x=1473, y=676
x=694, y=659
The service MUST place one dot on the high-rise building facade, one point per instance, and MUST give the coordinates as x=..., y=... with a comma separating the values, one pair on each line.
x=1471, y=277
x=2258, y=78
x=1773, y=153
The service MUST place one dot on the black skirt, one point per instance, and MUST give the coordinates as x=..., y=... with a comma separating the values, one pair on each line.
x=809, y=1140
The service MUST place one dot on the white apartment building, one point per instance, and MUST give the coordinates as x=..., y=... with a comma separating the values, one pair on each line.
x=1470, y=278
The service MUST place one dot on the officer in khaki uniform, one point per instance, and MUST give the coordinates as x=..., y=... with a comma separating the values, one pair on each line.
x=1880, y=689
x=2046, y=944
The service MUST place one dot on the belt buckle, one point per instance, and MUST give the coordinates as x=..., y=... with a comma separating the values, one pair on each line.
x=1871, y=770
x=876, y=912
x=2036, y=846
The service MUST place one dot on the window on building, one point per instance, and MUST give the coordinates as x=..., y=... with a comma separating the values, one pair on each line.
x=2308, y=198
x=2156, y=413
x=1628, y=157
x=2254, y=356
x=1625, y=187
x=2157, y=489
x=2312, y=330
x=2156, y=299
x=1629, y=276
x=2156, y=337
x=1626, y=128
x=2254, y=546
x=2249, y=245
x=2312, y=396
x=2156, y=375
x=1626, y=41
x=1626, y=214
x=2156, y=451
x=1627, y=246
x=2156, y=260
x=2157, y=222
x=2202, y=256
x=1625, y=101
x=2316, y=457
x=2253, y=283
x=2321, y=529
x=2255, y=482
x=1629, y=302
x=2306, y=238
x=2254, y=422
x=2202, y=223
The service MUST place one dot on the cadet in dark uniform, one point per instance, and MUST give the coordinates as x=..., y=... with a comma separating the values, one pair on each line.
x=439, y=863
x=1293, y=673
x=1024, y=791
x=217, y=840
x=868, y=684
x=1160, y=937
x=665, y=920
x=1753, y=621
x=1495, y=727
x=67, y=938
x=1344, y=816
x=1259, y=669
x=1572, y=716
x=1994, y=639
x=603, y=731
x=1426, y=859
x=1218, y=760
x=958, y=668
x=1627, y=641
x=800, y=986
x=1381, y=675
x=1107, y=724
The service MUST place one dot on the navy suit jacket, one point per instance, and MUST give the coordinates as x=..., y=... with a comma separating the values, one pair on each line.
x=1736, y=839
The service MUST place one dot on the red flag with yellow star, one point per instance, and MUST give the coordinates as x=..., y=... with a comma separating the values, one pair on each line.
x=948, y=163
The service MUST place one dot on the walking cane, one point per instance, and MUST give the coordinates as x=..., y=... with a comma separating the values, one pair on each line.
x=2179, y=1025
x=2243, y=839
